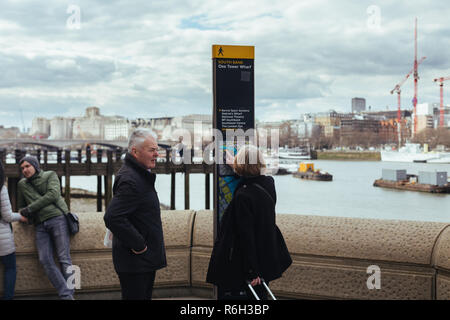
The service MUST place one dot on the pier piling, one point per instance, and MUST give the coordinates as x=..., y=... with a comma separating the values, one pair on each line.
x=61, y=163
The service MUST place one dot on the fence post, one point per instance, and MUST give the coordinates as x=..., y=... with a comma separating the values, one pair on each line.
x=108, y=179
x=45, y=159
x=3, y=155
x=172, y=189
x=186, y=180
x=88, y=159
x=99, y=182
x=67, y=177
x=207, y=193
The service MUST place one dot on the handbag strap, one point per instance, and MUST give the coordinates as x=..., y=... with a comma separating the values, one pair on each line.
x=265, y=191
x=28, y=181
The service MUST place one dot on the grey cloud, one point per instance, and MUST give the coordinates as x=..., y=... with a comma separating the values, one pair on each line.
x=304, y=52
x=46, y=71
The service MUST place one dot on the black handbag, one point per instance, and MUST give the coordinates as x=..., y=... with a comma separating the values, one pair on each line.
x=72, y=222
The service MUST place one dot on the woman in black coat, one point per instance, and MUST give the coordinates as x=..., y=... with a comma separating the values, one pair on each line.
x=249, y=245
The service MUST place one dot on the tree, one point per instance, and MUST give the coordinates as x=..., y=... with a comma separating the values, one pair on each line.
x=433, y=137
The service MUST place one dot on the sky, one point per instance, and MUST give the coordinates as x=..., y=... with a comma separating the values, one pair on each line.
x=144, y=59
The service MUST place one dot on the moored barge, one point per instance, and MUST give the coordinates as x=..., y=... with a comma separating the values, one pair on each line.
x=412, y=186
x=432, y=182
x=306, y=171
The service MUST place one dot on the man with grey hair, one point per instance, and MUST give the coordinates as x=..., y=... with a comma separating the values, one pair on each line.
x=134, y=218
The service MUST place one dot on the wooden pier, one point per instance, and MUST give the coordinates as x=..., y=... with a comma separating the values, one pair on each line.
x=67, y=167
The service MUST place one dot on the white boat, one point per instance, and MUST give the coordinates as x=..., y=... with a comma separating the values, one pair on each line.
x=443, y=158
x=293, y=154
x=287, y=159
x=412, y=152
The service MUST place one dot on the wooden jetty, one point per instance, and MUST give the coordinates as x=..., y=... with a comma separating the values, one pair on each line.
x=67, y=167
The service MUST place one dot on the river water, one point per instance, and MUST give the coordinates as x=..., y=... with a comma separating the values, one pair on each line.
x=350, y=194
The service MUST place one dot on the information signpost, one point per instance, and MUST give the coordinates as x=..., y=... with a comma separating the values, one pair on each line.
x=234, y=109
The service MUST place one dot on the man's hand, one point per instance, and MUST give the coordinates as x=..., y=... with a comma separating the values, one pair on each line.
x=25, y=212
x=139, y=252
x=23, y=219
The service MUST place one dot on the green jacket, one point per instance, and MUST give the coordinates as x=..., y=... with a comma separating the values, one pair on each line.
x=40, y=193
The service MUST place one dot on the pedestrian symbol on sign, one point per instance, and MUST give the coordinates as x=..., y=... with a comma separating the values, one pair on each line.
x=220, y=51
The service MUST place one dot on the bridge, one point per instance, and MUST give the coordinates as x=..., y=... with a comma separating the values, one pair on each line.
x=71, y=143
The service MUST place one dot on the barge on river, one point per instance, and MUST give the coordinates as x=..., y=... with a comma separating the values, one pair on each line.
x=432, y=182
x=306, y=171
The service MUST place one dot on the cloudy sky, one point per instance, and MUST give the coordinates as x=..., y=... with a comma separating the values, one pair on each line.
x=153, y=58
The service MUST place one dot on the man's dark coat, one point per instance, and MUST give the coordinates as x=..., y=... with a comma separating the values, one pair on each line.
x=134, y=218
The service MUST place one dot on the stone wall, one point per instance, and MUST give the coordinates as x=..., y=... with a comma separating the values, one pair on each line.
x=95, y=261
x=330, y=257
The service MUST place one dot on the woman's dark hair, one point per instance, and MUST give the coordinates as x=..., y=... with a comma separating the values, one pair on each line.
x=2, y=175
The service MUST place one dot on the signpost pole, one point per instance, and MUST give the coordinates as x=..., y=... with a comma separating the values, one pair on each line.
x=233, y=116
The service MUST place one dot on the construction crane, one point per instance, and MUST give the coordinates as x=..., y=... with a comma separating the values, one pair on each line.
x=416, y=77
x=398, y=90
x=398, y=85
x=441, y=113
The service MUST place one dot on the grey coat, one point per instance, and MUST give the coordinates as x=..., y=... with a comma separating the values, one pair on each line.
x=7, y=216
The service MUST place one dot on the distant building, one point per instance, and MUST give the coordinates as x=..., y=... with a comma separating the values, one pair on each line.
x=9, y=133
x=188, y=122
x=40, y=127
x=269, y=124
x=306, y=126
x=89, y=126
x=61, y=128
x=388, y=114
x=425, y=109
x=329, y=122
x=157, y=124
x=162, y=127
x=198, y=125
x=305, y=129
x=96, y=126
x=359, y=125
x=171, y=128
x=117, y=129
x=358, y=105
x=424, y=121
x=437, y=116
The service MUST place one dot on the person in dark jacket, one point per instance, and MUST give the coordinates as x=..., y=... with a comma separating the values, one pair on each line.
x=134, y=218
x=249, y=245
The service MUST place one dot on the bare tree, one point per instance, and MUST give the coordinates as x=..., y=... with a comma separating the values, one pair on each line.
x=433, y=137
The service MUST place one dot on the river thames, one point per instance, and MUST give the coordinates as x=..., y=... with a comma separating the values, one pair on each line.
x=350, y=194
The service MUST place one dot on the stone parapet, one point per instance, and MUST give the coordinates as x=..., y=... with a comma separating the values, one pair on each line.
x=95, y=260
x=441, y=262
x=330, y=255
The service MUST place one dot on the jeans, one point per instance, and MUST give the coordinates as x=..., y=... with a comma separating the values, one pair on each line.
x=137, y=286
x=53, y=233
x=9, y=282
